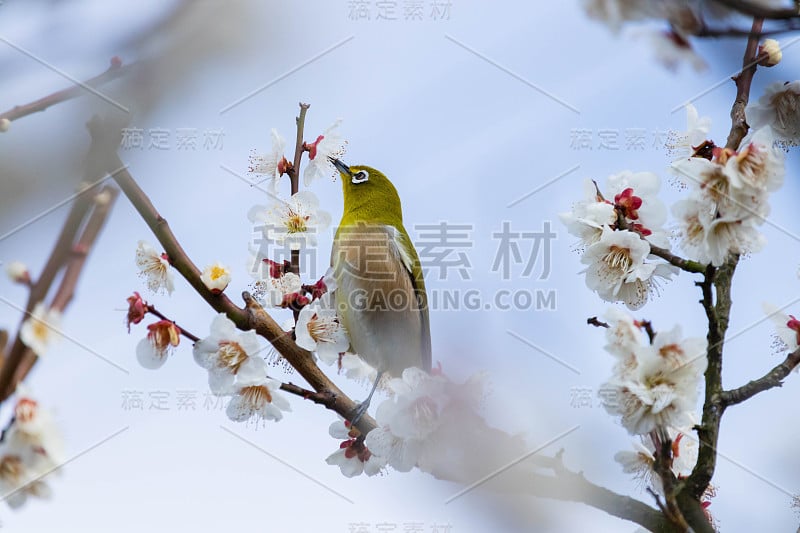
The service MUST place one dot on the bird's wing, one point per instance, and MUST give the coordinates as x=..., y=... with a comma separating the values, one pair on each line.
x=412, y=265
x=356, y=249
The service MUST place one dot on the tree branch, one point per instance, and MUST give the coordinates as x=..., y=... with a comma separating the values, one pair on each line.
x=743, y=81
x=294, y=177
x=114, y=71
x=773, y=378
x=571, y=486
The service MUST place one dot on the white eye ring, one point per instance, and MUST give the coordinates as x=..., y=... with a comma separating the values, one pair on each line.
x=360, y=177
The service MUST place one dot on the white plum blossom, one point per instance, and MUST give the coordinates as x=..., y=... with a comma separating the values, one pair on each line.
x=329, y=144
x=624, y=336
x=787, y=328
x=296, y=222
x=155, y=267
x=256, y=397
x=779, y=108
x=617, y=270
x=757, y=166
x=319, y=329
x=636, y=195
x=659, y=389
x=683, y=144
x=641, y=460
x=162, y=337
x=41, y=329
x=275, y=292
x=353, y=458
x=727, y=235
x=273, y=164
x=588, y=216
x=216, y=277
x=694, y=216
x=226, y=352
x=729, y=198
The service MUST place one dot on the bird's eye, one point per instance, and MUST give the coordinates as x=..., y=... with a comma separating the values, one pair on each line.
x=360, y=177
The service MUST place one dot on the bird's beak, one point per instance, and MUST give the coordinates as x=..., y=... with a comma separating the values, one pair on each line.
x=341, y=167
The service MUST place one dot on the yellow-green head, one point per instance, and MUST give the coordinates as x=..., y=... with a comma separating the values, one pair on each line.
x=369, y=196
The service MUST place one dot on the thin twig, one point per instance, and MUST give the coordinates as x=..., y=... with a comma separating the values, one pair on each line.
x=41, y=286
x=773, y=378
x=19, y=363
x=114, y=71
x=743, y=81
x=686, y=265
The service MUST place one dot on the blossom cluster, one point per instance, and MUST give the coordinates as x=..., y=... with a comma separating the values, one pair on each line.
x=654, y=382
x=31, y=448
x=729, y=193
x=616, y=237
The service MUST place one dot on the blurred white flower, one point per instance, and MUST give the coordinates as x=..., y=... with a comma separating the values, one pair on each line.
x=32, y=448
x=672, y=50
x=256, y=397
x=272, y=165
x=296, y=222
x=17, y=271
x=155, y=267
x=329, y=144
x=41, y=329
x=162, y=337
x=418, y=422
x=216, y=277
x=779, y=108
x=18, y=481
x=226, y=352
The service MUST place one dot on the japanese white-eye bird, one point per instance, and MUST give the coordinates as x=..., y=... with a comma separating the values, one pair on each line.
x=380, y=294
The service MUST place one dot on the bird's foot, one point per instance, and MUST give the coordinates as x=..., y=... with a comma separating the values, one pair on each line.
x=358, y=411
